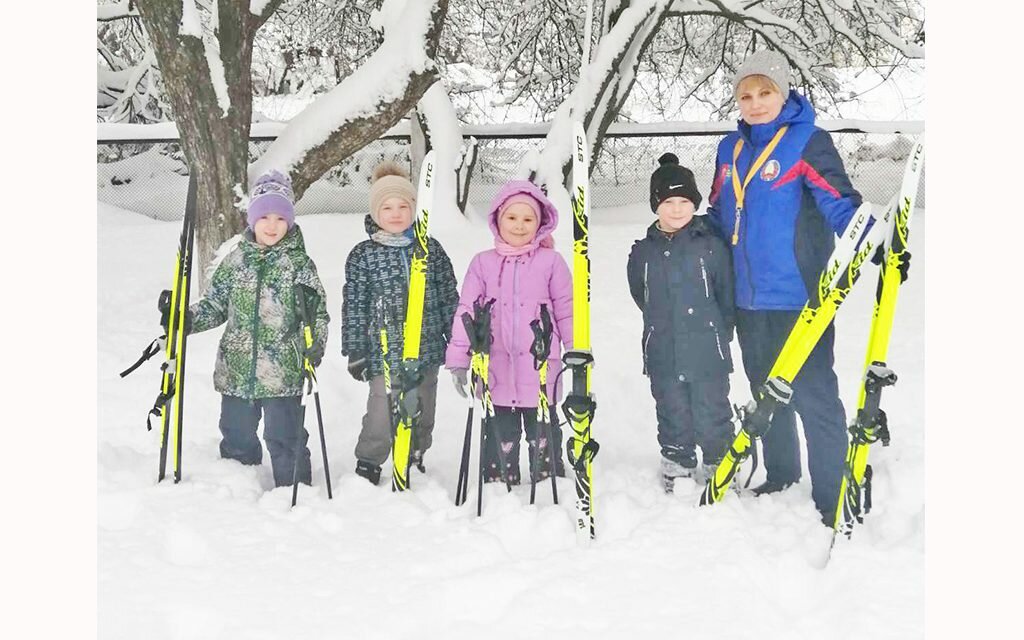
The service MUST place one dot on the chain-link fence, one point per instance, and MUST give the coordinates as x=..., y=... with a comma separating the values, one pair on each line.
x=151, y=178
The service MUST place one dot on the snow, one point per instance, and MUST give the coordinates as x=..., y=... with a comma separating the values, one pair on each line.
x=211, y=47
x=115, y=10
x=381, y=79
x=191, y=24
x=446, y=137
x=221, y=555
x=257, y=7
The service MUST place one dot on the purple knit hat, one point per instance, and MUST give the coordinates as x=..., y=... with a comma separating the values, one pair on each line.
x=272, y=193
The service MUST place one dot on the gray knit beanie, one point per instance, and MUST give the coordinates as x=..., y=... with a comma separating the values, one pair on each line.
x=771, y=64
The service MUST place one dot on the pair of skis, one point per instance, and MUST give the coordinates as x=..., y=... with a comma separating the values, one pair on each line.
x=169, y=405
x=579, y=405
x=870, y=424
x=405, y=405
x=842, y=271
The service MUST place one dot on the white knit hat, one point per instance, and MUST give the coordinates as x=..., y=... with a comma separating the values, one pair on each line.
x=771, y=64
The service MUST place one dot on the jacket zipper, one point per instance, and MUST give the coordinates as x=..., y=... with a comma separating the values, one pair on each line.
x=746, y=259
x=646, y=341
x=255, y=328
x=515, y=319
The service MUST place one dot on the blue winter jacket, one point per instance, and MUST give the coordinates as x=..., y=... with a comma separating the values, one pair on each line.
x=792, y=211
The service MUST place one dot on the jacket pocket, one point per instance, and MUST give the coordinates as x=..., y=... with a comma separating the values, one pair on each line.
x=718, y=341
x=648, y=334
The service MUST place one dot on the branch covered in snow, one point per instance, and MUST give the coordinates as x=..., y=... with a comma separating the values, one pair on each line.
x=602, y=87
x=445, y=135
x=705, y=41
x=368, y=102
x=116, y=10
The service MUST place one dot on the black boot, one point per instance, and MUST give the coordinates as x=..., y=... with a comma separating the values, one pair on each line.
x=369, y=471
x=771, y=486
x=416, y=460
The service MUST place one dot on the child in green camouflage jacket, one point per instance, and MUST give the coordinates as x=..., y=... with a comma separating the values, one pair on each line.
x=376, y=291
x=259, y=362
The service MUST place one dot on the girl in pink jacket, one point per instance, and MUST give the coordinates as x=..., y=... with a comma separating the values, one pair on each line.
x=521, y=273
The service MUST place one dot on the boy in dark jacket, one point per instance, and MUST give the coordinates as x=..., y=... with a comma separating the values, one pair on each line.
x=680, y=277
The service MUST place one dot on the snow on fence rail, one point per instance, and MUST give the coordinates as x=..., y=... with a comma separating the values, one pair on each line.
x=141, y=167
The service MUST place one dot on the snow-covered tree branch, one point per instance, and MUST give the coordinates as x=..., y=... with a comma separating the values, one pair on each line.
x=368, y=102
x=204, y=49
x=694, y=46
x=116, y=10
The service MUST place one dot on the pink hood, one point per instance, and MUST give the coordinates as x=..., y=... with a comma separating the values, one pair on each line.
x=548, y=213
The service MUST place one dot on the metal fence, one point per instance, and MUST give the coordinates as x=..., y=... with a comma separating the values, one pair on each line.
x=151, y=177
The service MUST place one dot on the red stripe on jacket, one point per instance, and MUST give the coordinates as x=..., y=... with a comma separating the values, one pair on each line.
x=802, y=168
x=716, y=187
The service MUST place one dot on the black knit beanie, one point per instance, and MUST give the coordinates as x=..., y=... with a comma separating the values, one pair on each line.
x=670, y=179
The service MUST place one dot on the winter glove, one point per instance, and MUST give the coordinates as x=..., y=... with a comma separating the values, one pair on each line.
x=904, y=267
x=163, y=305
x=315, y=354
x=357, y=368
x=461, y=379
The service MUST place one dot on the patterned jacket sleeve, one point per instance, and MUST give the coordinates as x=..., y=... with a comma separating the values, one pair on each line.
x=561, y=298
x=457, y=355
x=355, y=307
x=634, y=274
x=828, y=182
x=308, y=276
x=212, y=310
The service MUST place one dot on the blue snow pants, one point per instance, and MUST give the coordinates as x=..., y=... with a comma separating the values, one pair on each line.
x=815, y=398
x=691, y=413
x=282, y=431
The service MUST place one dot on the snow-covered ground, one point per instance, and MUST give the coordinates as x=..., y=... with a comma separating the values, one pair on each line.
x=221, y=555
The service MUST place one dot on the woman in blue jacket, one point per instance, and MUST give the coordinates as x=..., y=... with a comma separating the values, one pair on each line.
x=779, y=197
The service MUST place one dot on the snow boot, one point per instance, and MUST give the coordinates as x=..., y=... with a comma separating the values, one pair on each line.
x=771, y=486
x=707, y=471
x=670, y=470
x=369, y=471
x=416, y=460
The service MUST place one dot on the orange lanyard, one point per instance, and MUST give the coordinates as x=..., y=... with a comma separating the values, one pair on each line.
x=741, y=189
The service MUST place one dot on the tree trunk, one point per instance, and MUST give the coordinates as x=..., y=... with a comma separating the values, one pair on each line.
x=215, y=142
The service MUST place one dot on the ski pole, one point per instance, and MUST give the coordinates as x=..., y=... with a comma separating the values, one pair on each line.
x=310, y=389
x=462, y=487
x=541, y=349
